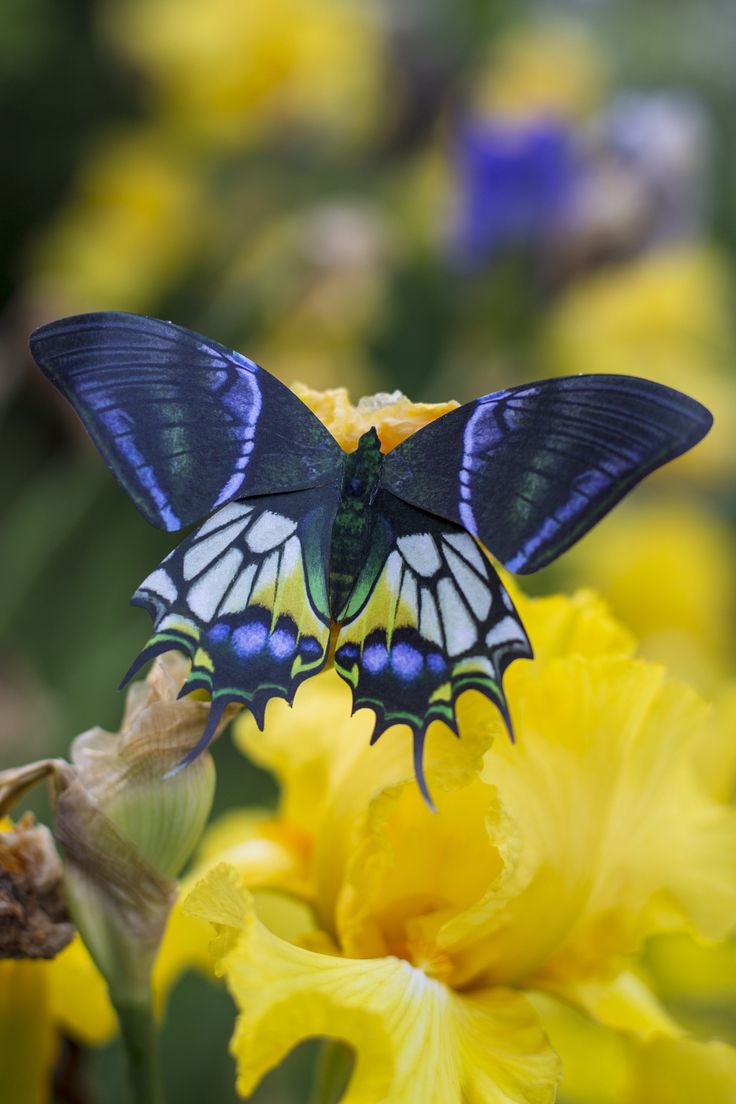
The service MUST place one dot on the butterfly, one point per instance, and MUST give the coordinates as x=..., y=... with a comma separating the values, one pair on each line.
x=375, y=561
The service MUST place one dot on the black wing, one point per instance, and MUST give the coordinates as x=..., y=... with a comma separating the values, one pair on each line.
x=184, y=424
x=529, y=470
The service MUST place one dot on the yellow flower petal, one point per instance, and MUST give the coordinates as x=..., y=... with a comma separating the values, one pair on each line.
x=266, y=856
x=617, y=836
x=416, y=1041
x=330, y=774
x=684, y=1071
x=78, y=997
x=625, y=1004
x=596, y=1062
x=411, y=871
x=394, y=416
x=601, y=1067
x=582, y=624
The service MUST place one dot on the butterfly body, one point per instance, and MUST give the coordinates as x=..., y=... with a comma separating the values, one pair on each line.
x=308, y=552
x=352, y=528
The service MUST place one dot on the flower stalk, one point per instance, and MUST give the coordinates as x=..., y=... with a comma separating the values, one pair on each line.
x=140, y=1037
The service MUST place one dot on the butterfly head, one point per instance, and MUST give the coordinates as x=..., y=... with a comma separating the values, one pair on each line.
x=363, y=469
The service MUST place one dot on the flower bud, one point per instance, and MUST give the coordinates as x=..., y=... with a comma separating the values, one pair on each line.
x=127, y=823
x=126, y=829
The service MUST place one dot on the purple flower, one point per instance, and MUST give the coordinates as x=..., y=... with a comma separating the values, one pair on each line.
x=515, y=182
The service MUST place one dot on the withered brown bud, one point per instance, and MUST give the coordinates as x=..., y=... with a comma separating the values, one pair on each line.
x=34, y=921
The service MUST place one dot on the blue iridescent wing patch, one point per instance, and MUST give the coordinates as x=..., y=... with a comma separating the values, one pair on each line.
x=428, y=619
x=184, y=423
x=528, y=471
x=245, y=598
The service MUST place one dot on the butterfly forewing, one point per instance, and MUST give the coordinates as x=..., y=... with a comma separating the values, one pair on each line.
x=245, y=598
x=529, y=470
x=184, y=423
x=435, y=620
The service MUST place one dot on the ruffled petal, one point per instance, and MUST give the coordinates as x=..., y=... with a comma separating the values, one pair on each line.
x=617, y=837
x=581, y=624
x=416, y=1041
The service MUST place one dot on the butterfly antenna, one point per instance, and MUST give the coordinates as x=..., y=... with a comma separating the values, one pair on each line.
x=216, y=711
x=419, y=770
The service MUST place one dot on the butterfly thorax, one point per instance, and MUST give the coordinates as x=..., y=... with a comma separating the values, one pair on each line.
x=351, y=530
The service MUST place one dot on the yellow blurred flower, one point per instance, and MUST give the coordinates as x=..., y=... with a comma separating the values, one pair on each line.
x=666, y=569
x=134, y=218
x=548, y=68
x=43, y=998
x=228, y=72
x=547, y=866
x=39, y=1002
x=667, y=317
x=605, y=1067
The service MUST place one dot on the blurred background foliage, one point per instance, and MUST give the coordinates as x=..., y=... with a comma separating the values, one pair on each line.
x=440, y=197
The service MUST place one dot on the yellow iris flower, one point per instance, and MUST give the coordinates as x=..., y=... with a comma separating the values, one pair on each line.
x=548, y=865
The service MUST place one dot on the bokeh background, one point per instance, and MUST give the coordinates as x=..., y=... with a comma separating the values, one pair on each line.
x=439, y=196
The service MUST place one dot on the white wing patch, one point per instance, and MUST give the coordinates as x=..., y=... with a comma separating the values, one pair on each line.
x=268, y=531
x=203, y=552
x=222, y=581
x=420, y=553
x=209, y=590
x=459, y=627
x=429, y=619
x=239, y=594
x=446, y=610
x=234, y=511
x=471, y=586
x=468, y=549
x=504, y=632
x=160, y=583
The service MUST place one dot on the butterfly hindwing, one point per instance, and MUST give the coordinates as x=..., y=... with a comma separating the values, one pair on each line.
x=184, y=423
x=432, y=620
x=245, y=598
x=529, y=470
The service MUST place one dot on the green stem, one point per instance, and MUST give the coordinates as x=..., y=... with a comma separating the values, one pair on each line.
x=334, y=1067
x=138, y=1029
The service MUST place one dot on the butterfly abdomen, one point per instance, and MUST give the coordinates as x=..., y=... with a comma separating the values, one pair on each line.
x=351, y=532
